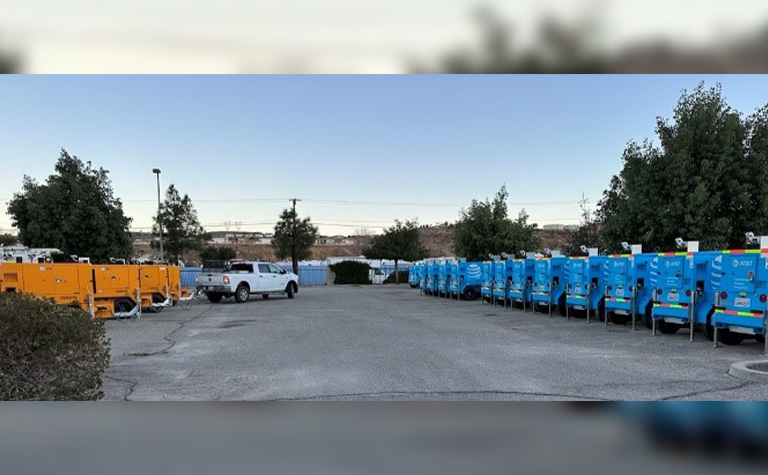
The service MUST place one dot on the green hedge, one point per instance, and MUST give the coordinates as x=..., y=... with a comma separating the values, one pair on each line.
x=403, y=277
x=49, y=352
x=351, y=272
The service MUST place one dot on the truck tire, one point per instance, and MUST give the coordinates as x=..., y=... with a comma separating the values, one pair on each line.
x=214, y=297
x=242, y=294
x=470, y=293
x=265, y=296
x=289, y=290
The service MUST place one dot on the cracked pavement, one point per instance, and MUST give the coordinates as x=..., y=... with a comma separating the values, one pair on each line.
x=390, y=343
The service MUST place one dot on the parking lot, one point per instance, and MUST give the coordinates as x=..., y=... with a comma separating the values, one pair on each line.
x=391, y=343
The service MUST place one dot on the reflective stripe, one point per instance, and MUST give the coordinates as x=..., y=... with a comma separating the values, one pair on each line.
x=670, y=305
x=741, y=314
x=618, y=299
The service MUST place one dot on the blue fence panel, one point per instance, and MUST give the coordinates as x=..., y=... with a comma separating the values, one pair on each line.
x=188, y=275
x=309, y=275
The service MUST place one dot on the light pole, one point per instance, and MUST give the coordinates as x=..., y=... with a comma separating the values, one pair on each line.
x=156, y=171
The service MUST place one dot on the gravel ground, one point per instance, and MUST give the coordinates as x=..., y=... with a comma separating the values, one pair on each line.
x=390, y=343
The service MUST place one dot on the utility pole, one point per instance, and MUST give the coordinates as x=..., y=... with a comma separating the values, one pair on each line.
x=293, y=238
x=157, y=172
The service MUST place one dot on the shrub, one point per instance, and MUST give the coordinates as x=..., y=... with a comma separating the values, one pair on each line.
x=351, y=272
x=403, y=277
x=49, y=352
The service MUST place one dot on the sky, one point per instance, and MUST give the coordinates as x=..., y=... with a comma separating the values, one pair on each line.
x=329, y=36
x=359, y=151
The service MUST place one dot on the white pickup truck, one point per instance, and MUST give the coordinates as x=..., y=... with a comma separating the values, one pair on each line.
x=244, y=278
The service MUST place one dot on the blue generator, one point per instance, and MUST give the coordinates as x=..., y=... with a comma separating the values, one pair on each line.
x=520, y=284
x=741, y=307
x=585, y=287
x=465, y=279
x=415, y=273
x=629, y=285
x=549, y=283
x=486, y=280
x=499, y=292
x=685, y=290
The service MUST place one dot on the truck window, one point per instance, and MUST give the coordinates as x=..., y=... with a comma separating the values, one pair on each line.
x=263, y=269
x=274, y=269
x=241, y=268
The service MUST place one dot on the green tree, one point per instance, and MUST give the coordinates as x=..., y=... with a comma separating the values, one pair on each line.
x=75, y=211
x=212, y=253
x=400, y=242
x=485, y=228
x=182, y=231
x=8, y=64
x=705, y=181
x=8, y=240
x=294, y=238
x=587, y=234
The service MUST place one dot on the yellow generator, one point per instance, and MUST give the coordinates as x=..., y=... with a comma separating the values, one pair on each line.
x=117, y=292
x=64, y=284
x=155, y=286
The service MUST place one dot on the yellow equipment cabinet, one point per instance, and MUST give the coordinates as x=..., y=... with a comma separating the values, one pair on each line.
x=63, y=284
x=117, y=292
x=155, y=287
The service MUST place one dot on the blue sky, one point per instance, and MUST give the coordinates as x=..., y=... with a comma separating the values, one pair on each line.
x=434, y=142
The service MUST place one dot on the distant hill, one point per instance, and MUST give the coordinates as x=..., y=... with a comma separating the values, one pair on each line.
x=439, y=240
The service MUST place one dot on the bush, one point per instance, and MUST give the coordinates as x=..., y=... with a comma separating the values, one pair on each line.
x=49, y=352
x=351, y=272
x=403, y=277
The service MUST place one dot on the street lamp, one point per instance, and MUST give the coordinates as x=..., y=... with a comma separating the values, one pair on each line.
x=157, y=172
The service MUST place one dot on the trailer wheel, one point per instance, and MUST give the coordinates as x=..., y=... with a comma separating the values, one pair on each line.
x=760, y=338
x=668, y=328
x=214, y=297
x=601, y=310
x=707, y=328
x=730, y=338
x=561, y=305
x=617, y=319
x=648, y=316
x=123, y=305
x=470, y=294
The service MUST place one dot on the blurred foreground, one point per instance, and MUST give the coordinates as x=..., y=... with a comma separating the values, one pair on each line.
x=376, y=438
x=341, y=36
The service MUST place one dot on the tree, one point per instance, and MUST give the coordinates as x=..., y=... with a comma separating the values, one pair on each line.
x=182, y=231
x=485, y=228
x=8, y=64
x=399, y=242
x=705, y=181
x=294, y=238
x=8, y=240
x=587, y=234
x=75, y=211
x=212, y=253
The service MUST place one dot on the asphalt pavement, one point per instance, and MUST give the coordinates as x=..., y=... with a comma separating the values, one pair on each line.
x=391, y=343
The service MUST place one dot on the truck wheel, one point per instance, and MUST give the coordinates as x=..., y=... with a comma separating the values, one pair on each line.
x=242, y=294
x=289, y=290
x=265, y=296
x=730, y=338
x=214, y=298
